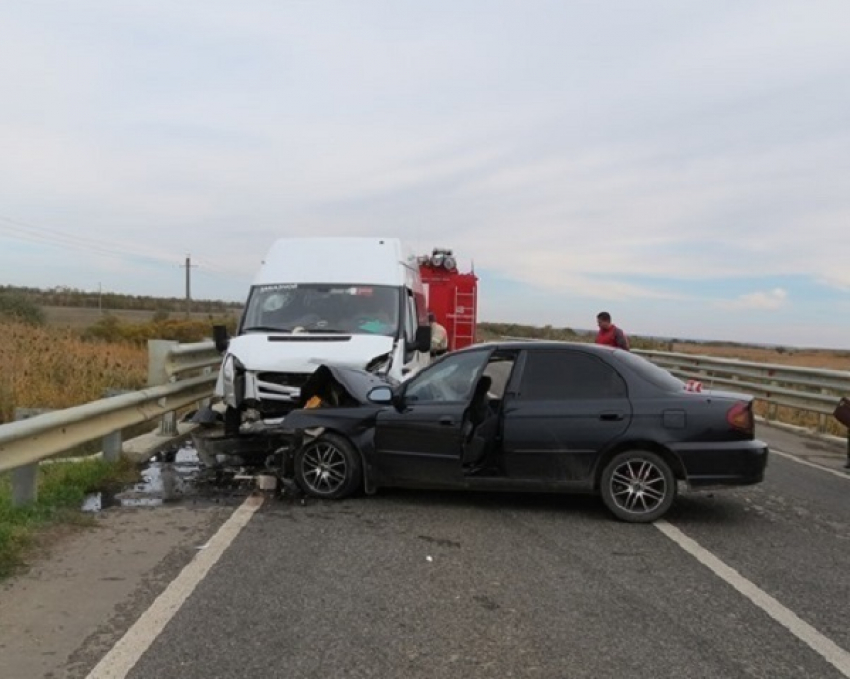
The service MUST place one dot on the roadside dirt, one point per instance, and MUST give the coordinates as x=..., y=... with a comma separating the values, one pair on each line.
x=82, y=594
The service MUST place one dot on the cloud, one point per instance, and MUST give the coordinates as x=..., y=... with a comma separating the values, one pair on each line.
x=769, y=301
x=841, y=281
x=603, y=155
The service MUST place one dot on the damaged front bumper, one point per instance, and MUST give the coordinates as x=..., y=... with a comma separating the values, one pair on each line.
x=268, y=444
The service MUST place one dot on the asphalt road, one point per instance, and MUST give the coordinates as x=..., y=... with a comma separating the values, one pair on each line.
x=425, y=584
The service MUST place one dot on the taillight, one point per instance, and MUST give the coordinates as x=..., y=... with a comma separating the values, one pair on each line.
x=740, y=416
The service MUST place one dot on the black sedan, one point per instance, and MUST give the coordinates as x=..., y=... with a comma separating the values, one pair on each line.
x=532, y=416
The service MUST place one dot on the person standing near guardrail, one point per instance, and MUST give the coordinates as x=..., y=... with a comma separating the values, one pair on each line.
x=609, y=334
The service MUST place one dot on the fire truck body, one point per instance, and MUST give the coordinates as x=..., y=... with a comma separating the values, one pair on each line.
x=452, y=296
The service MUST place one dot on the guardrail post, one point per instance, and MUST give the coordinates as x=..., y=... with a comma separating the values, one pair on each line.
x=113, y=446
x=113, y=443
x=772, y=408
x=25, y=485
x=25, y=479
x=159, y=354
x=821, y=416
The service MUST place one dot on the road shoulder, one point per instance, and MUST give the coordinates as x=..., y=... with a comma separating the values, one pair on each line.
x=62, y=615
x=807, y=447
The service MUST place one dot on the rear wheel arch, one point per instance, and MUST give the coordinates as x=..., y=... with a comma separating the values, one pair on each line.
x=666, y=454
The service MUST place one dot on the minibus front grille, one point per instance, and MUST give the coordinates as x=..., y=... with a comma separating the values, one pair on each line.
x=295, y=380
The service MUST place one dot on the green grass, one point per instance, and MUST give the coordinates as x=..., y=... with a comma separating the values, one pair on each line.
x=61, y=490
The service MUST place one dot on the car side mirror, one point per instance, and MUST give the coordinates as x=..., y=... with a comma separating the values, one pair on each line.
x=221, y=338
x=381, y=395
x=423, y=338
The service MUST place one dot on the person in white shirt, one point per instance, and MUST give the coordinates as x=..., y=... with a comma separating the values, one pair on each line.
x=439, y=337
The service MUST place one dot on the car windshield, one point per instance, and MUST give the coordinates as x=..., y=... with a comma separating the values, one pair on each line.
x=451, y=379
x=350, y=309
x=650, y=372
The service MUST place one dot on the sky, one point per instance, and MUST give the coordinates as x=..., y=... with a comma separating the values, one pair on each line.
x=682, y=165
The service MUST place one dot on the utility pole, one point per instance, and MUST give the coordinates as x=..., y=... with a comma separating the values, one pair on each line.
x=188, y=266
x=100, y=298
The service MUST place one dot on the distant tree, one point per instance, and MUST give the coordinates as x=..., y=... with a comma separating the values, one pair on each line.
x=72, y=297
x=107, y=329
x=18, y=307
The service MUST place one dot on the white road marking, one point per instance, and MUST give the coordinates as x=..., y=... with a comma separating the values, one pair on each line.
x=126, y=653
x=789, y=456
x=832, y=652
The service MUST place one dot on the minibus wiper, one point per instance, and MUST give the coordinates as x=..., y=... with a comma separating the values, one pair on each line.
x=266, y=328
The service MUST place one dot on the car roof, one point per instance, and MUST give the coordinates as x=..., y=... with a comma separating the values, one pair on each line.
x=542, y=344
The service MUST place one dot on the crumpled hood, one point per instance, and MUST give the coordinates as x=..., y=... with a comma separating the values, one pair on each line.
x=354, y=383
x=302, y=353
x=342, y=401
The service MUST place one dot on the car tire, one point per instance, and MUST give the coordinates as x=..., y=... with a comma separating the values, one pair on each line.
x=328, y=467
x=638, y=486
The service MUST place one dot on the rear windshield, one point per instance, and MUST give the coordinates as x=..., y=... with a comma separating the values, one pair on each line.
x=650, y=372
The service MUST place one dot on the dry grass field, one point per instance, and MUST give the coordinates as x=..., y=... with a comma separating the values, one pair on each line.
x=51, y=367
x=807, y=358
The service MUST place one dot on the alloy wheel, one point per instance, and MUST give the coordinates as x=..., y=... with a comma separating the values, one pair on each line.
x=638, y=486
x=324, y=468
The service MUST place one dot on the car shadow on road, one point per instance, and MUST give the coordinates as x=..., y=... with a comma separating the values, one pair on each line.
x=727, y=508
x=588, y=507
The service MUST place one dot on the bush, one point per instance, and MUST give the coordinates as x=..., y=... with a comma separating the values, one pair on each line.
x=16, y=307
x=107, y=329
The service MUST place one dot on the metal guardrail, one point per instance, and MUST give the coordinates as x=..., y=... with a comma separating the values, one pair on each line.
x=169, y=359
x=25, y=443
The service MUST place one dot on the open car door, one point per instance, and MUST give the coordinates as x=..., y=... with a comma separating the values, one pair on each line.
x=421, y=440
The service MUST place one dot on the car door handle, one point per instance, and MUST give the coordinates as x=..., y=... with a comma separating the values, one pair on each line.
x=611, y=417
x=446, y=421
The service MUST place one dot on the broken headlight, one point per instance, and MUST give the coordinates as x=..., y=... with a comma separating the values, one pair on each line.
x=233, y=381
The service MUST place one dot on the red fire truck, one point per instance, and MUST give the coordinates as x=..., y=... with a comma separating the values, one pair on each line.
x=451, y=295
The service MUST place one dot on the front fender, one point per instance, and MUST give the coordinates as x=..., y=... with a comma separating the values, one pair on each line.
x=355, y=424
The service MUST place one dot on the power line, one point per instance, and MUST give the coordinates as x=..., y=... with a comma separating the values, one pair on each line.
x=221, y=270
x=54, y=233
x=36, y=234
x=25, y=233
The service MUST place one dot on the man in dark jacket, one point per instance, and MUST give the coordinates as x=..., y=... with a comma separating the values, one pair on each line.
x=609, y=334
